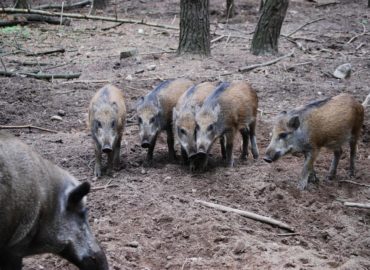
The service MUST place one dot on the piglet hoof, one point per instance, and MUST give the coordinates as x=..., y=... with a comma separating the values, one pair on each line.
x=301, y=186
x=243, y=157
x=97, y=171
x=329, y=177
x=313, y=178
x=148, y=163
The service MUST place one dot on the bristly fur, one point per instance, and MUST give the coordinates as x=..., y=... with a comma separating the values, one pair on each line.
x=312, y=105
x=212, y=99
x=159, y=87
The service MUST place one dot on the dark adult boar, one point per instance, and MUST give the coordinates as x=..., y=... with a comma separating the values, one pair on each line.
x=184, y=117
x=329, y=123
x=107, y=119
x=228, y=109
x=42, y=210
x=154, y=114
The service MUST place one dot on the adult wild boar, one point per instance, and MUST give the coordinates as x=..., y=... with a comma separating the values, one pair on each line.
x=107, y=119
x=329, y=122
x=184, y=118
x=231, y=107
x=42, y=210
x=154, y=114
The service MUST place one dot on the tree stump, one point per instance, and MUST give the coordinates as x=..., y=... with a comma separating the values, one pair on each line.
x=266, y=35
x=194, y=27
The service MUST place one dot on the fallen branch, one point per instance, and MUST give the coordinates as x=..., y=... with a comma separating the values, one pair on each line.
x=247, y=214
x=12, y=23
x=28, y=63
x=46, y=19
x=112, y=27
x=41, y=76
x=87, y=81
x=29, y=127
x=288, y=234
x=302, y=26
x=86, y=17
x=358, y=205
x=359, y=35
x=65, y=7
x=60, y=50
x=104, y=187
x=353, y=182
x=250, y=67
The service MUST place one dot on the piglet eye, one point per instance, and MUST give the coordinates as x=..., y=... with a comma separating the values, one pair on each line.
x=113, y=124
x=197, y=127
x=182, y=131
x=97, y=124
x=210, y=128
x=283, y=135
x=140, y=120
x=152, y=120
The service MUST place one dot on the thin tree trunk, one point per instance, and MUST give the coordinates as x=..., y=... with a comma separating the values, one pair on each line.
x=194, y=27
x=266, y=36
x=368, y=3
x=230, y=10
x=22, y=4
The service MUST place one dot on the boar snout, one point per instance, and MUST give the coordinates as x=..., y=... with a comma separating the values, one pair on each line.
x=271, y=156
x=97, y=261
x=107, y=149
x=145, y=144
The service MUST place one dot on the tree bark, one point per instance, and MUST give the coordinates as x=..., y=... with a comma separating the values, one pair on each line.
x=368, y=3
x=230, y=10
x=22, y=4
x=194, y=27
x=266, y=35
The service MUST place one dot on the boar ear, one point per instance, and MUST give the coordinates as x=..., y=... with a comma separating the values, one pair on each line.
x=217, y=109
x=115, y=106
x=76, y=195
x=294, y=122
x=139, y=102
x=175, y=113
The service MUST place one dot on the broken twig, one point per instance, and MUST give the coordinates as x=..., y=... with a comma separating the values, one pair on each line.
x=353, y=182
x=103, y=187
x=302, y=26
x=358, y=205
x=268, y=63
x=359, y=35
x=60, y=50
x=247, y=214
x=29, y=127
x=85, y=17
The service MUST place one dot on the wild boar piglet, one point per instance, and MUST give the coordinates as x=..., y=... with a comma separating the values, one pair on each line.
x=154, y=114
x=329, y=122
x=231, y=107
x=107, y=119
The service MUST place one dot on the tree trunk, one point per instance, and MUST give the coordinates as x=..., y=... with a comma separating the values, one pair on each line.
x=368, y=3
x=194, y=27
x=99, y=4
x=22, y=4
x=230, y=10
x=266, y=35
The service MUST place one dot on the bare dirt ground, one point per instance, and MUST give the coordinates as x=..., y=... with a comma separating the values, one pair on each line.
x=150, y=220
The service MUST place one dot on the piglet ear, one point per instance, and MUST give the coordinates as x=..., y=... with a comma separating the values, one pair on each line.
x=175, y=113
x=217, y=109
x=282, y=112
x=294, y=122
x=139, y=102
x=77, y=194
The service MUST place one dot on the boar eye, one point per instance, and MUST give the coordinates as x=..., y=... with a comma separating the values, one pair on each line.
x=113, y=124
x=210, y=128
x=197, y=127
x=98, y=124
x=140, y=120
x=283, y=135
x=182, y=131
x=152, y=120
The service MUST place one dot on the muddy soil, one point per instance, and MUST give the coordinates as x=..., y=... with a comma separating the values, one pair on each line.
x=150, y=218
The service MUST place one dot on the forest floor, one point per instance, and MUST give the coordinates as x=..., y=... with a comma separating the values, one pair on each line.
x=150, y=219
